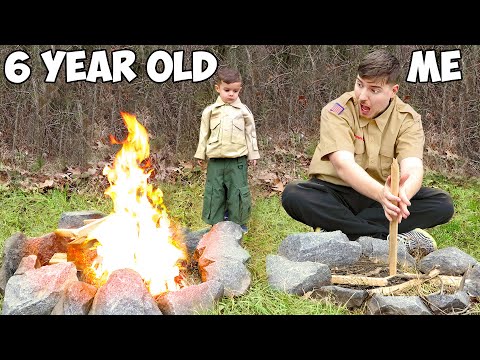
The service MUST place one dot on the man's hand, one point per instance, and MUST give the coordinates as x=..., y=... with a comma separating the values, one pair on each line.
x=411, y=169
x=389, y=200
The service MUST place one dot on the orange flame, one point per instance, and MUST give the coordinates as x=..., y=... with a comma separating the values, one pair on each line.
x=137, y=234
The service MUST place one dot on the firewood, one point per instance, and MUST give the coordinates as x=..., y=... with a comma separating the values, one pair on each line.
x=390, y=290
x=393, y=229
x=449, y=280
x=359, y=280
x=58, y=258
x=79, y=234
x=82, y=255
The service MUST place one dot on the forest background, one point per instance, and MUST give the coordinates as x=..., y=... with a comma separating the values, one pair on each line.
x=65, y=127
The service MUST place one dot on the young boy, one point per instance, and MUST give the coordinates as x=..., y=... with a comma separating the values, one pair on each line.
x=228, y=139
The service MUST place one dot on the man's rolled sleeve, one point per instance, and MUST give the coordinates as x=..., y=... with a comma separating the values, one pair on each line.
x=411, y=140
x=335, y=134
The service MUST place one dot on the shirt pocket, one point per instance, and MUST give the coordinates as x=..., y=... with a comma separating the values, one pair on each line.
x=238, y=131
x=359, y=152
x=214, y=130
x=386, y=160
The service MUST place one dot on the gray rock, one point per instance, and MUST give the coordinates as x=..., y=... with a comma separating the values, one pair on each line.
x=449, y=260
x=448, y=303
x=330, y=248
x=75, y=219
x=296, y=277
x=396, y=305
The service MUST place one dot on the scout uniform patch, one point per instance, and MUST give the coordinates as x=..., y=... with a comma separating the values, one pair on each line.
x=337, y=108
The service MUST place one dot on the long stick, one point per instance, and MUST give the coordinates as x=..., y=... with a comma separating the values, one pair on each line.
x=390, y=290
x=392, y=255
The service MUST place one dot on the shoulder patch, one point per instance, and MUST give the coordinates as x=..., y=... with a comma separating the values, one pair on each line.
x=337, y=108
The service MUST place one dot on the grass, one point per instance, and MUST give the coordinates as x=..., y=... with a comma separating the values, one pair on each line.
x=463, y=231
x=36, y=213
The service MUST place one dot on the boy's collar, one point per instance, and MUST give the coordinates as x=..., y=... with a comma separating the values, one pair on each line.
x=237, y=103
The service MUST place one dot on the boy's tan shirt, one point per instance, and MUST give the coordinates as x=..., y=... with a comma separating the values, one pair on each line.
x=397, y=132
x=227, y=131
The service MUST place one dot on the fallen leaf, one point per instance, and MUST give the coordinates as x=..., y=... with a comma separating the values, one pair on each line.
x=278, y=185
x=451, y=156
x=268, y=177
x=46, y=184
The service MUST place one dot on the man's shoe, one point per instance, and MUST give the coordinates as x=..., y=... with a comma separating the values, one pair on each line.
x=244, y=228
x=418, y=242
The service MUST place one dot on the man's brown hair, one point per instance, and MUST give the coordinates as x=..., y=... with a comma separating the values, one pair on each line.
x=228, y=75
x=380, y=64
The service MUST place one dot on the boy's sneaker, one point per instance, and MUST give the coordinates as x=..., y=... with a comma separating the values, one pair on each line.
x=418, y=242
x=225, y=216
x=244, y=228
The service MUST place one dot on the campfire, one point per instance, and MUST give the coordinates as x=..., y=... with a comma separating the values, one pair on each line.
x=132, y=261
x=137, y=234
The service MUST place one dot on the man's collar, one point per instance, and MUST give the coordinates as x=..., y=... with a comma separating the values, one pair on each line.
x=382, y=119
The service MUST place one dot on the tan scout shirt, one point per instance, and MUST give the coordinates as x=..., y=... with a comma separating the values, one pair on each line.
x=397, y=132
x=227, y=131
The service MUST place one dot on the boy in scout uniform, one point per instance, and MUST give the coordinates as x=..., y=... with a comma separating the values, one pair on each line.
x=361, y=132
x=228, y=139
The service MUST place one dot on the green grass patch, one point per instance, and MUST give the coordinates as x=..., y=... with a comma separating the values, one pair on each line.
x=36, y=213
x=463, y=230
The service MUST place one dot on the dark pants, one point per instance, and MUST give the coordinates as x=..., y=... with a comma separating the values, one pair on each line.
x=332, y=207
x=226, y=189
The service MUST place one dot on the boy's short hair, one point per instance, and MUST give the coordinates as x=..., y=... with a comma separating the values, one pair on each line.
x=380, y=64
x=228, y=75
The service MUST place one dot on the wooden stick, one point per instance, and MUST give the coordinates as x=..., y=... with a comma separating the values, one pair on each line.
x=58, y=258
x=379, y=281
x=449, y=280
x=79, y=234
x=359, y=280
x=390, y=290
x=392, y=255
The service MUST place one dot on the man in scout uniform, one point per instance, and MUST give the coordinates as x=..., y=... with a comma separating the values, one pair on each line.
x=228, y=139
x=361, y=132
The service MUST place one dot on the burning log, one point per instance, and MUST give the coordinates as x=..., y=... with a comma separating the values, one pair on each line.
x=81, y=250
x=58, y=258
x=79, y=235
x=82, y=254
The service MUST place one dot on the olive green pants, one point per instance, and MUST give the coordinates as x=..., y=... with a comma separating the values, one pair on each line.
x=226, y=188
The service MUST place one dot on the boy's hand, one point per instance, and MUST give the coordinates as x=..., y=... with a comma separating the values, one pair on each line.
x=253, y=162
x=199, y=162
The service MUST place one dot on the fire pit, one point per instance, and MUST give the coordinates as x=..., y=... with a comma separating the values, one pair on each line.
x=132, y=261
x=354, y=274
